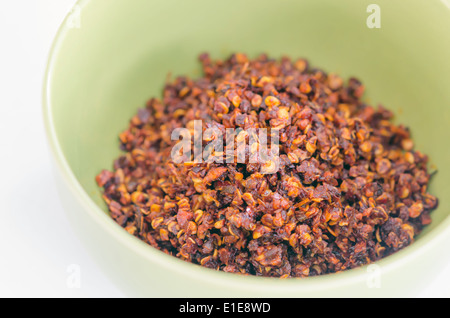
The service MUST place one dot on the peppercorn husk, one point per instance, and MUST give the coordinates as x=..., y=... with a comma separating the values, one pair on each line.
x=350, y=188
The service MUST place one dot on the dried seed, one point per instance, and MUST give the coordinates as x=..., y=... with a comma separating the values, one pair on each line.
x=272, y=101
x=256, y=101
x=347, y=188
x=416, y=209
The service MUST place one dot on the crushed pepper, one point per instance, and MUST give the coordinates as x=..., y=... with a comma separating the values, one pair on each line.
x=349, y=191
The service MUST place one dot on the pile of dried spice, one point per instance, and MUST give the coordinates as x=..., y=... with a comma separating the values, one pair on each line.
x=350, y=188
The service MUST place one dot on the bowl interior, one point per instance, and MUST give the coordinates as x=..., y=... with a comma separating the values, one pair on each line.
x=120, y=53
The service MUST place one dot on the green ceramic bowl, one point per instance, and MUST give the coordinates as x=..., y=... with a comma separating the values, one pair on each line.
x=111, y=56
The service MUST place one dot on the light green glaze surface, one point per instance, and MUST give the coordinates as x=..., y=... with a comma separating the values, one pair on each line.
x=101, y=73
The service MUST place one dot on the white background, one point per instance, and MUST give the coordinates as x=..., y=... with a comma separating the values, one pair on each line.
x=37, y=244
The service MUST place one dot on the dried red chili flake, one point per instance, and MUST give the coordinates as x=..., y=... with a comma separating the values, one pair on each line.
x=350, y=188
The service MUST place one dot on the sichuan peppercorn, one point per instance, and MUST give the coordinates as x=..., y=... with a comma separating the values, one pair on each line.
x=348, y=188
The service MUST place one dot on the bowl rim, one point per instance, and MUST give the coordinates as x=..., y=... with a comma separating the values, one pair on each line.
x=201, y=274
